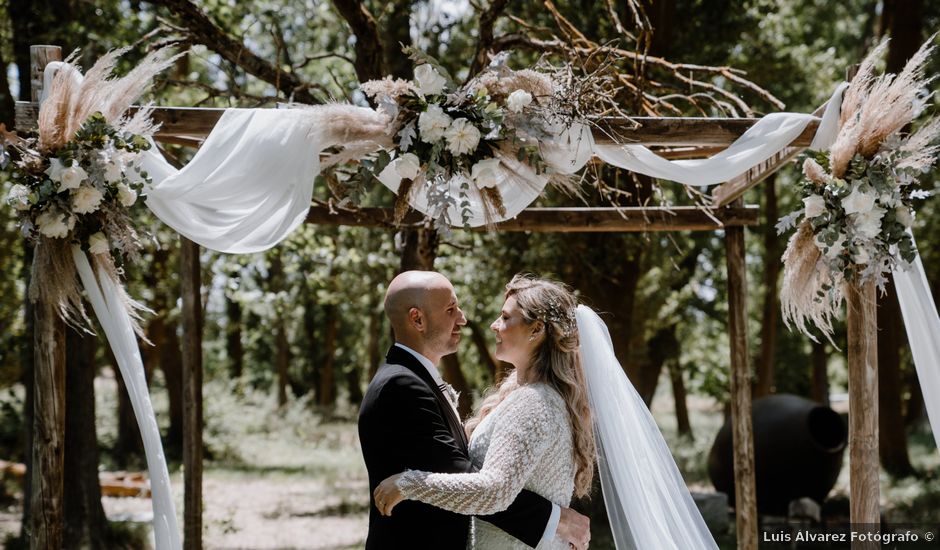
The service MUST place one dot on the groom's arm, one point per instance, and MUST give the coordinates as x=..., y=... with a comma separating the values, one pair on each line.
x=530, y=518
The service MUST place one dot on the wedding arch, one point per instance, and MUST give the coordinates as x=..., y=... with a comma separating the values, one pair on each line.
x=754, y=150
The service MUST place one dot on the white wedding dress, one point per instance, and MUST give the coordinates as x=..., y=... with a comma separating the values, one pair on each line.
x=524, y=443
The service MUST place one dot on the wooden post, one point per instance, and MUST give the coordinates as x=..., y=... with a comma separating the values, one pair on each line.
x=46, y=519
x=745, y=494
x=190, y=278
x=864, y=490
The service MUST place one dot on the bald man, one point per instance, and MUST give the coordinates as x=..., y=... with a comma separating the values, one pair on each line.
x=407, y=422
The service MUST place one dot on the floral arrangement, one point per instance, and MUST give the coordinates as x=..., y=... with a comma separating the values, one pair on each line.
x=858, y=196
x=444, y=133
x=74, y=181
x=81, y=192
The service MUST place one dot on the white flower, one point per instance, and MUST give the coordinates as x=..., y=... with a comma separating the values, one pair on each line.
x=98, y=243
x=432, y=124
x=55, y=170
x=813, y=206
x=52, y=224
x=518, y=100
x=887, y=199
x=86, y=199
x=428, y=81
x=485, y=173
x=408, y=166
x=113, y=172
x=72, y=177
x=868, y=224
x=904, y=215
x=861, y=257
x=126, y=195
x=858, y=202
x=19, y=197
x=462, y=137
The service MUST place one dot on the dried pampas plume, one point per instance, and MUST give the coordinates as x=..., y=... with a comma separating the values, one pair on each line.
x=874, y=108
x=72, y=99
x=804, y=278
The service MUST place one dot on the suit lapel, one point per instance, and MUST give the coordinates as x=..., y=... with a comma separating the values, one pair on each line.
x=398, y=356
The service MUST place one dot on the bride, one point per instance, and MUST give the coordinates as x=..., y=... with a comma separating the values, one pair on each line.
x=537, y=431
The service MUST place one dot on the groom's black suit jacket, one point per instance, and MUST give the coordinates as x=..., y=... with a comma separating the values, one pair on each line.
x=406, y=423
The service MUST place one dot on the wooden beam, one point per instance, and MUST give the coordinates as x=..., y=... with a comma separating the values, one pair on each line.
x=196, y=123
x=745, y=492
x=562, y=220
x=861, y=321
x=48, y=453
x=191, y=289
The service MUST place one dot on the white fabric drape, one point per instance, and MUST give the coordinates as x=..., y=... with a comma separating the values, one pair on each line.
x=648, y=503
x=922, y=325
x=105, y=299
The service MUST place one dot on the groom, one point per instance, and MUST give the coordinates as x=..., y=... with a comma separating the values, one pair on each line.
x=407, y=422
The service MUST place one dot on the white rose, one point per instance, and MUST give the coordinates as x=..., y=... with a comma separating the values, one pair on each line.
x=462, y=137
x=428, y=81
x=904, y=215
x=408, y=166
x=19, y=197
x=813, y=206
x=518, y=100
x=86, y=199
x=126, y=195
x=485, y=173
x=113, y=172
x=72, y=177
x=868, y=224
x=861, y=257
x=52, y=224
x=98, y=243
x=432, y=124
x=858, y=202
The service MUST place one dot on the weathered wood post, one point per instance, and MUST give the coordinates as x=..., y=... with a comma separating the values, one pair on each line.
x=191, y=285
x=864, y=490
x=46, y=520
x=745, y=493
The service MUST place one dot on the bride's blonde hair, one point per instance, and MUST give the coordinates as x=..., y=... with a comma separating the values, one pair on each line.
x=556, y=362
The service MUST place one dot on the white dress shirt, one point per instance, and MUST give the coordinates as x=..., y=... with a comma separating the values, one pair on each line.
x=553, y=520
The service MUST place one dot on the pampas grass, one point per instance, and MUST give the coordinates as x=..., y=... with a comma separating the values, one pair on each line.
x=72, y=100
x=876, y=107
x=805, y=279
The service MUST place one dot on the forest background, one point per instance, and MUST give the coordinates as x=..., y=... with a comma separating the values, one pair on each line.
x=292, y=336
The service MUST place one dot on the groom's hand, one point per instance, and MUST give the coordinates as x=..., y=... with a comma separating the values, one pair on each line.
x=574, y=528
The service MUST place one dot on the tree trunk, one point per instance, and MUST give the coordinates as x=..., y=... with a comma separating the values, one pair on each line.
x=129, y=447
x=282, y=361
x=451, y=373
x=85, y=522
x=772, y=265
x=397, y=34
x=892, y=444
x=233, y=338
x=353, y=384
x=495, y=368
x=327, y=394
x=171, y=363
x=819, y=391
x=683, y=426
x=373, y=353
x=313, y=344
x=420, y=249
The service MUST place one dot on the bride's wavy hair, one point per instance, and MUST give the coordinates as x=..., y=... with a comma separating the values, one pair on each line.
x=556, y=362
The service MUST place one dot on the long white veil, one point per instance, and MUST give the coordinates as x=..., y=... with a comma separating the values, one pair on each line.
x=648, y=503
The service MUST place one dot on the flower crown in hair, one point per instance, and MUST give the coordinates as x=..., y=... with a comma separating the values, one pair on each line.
x=554, y=312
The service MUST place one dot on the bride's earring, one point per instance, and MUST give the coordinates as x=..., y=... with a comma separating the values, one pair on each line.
x=532, y=338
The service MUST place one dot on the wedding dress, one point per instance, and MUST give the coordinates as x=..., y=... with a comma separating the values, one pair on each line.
x=524, y=443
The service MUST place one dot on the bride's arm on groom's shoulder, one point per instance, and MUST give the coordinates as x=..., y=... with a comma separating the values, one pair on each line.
x=522, y=433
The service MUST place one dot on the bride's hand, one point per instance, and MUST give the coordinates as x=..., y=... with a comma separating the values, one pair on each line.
x=387, y=495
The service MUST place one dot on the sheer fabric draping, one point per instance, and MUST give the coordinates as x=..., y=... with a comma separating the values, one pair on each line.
x=648, y=503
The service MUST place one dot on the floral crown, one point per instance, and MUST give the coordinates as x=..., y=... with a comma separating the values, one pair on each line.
x=554, y=312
